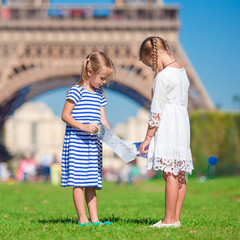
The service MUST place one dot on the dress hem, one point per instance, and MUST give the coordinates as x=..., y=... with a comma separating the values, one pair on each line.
x=97, y=188
x=173, y=166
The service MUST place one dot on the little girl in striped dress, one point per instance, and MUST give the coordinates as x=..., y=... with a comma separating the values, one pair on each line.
x=82, y=148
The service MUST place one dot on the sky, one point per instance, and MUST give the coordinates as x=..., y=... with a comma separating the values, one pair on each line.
x=210, y=37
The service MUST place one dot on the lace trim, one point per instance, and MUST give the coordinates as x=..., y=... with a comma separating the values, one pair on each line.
x=175, y=101
x=170, y=166
x=154, y=119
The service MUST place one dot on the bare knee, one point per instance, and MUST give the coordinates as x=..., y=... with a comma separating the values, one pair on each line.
x=169, y=176
x=77, y=189
x=180, y=178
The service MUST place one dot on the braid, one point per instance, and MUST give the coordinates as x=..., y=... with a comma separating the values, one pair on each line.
x=155, y=56
x=152, y=45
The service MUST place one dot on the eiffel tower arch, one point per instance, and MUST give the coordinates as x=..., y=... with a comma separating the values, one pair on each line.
x=40, y=52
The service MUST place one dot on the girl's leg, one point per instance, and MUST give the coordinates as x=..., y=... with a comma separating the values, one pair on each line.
x=171, y=198
x=181, y=193
x=78, y=198
x=91, y=199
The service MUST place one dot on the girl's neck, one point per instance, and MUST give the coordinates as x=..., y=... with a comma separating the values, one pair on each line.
x=89, y=87
x=167, y=60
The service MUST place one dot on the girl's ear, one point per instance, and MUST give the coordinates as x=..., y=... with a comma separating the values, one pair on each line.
x=89, y=72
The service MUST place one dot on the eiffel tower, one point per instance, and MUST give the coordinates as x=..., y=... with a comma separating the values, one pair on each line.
x=42, y=46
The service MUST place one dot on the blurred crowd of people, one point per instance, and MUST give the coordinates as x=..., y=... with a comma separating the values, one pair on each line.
x=28, y=170
x=131, y=173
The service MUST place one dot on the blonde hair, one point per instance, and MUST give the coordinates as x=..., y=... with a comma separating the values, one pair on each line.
x=97, y=62
x=151, y=45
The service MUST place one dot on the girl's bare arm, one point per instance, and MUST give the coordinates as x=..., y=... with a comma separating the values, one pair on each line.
x=150, y=133
x=104, y=117
x=67, y=118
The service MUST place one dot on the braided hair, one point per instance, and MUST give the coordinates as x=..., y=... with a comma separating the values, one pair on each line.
x=155, y=56
x=151, y=45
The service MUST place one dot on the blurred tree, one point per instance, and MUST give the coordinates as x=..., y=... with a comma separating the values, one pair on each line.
x=4, y=154
x=216, y=134
x=236, y=101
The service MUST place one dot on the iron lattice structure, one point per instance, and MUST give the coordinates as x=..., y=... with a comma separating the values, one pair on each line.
x=39, y=52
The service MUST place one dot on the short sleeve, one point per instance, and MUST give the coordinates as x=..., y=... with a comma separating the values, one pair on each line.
x=103, y=101
x=74, y=94
x=158, y=101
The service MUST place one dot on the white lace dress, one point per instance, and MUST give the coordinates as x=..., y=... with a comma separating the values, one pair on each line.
x=169, y=149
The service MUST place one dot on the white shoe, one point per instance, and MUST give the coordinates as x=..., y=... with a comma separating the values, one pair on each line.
x=178, y=224
x=156, y=224
x=165, y=225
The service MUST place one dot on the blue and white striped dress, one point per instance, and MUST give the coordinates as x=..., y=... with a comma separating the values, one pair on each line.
x=82, y=151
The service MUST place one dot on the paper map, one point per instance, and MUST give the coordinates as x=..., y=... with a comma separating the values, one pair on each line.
x=125, y=150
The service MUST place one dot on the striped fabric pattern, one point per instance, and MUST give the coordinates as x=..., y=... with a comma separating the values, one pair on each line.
x=82, y=152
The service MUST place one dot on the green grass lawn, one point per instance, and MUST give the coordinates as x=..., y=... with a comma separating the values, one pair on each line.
x=42, y=211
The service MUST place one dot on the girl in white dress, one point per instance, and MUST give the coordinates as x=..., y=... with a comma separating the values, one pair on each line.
x=167, y=140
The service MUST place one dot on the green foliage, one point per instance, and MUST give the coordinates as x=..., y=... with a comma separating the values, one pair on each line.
x=43, y=211
x=216, y=134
